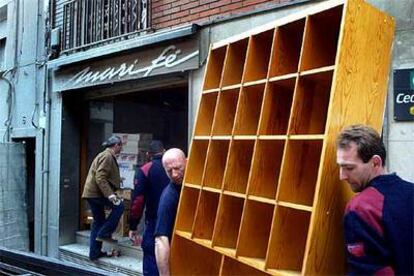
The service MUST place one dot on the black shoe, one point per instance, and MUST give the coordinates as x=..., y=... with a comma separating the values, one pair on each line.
x=106, y=239
x=95, y=259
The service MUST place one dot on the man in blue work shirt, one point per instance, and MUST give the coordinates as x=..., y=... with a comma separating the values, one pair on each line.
x=174, y=162
x=150, y=180
x=379, y=219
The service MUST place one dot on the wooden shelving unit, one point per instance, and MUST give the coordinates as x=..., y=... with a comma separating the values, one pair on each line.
x=261, y=192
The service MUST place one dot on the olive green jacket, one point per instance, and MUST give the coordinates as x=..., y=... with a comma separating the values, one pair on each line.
x=103, y=176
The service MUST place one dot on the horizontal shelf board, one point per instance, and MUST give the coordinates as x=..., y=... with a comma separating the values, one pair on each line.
x=221, y=137
x=201, y=137
x=203, y=242
x=317, y=70
x=258, y=263
x=252, y=83
x=210, y=189
x=191, y=185
x=262, y=199
x=215, y=90
x=283, y=272
x=283, y=77
x=231, y=252
x=235, y=194
x=295, y=206
x=183, y=234
x=307, y=137
x=244, y=137
x=231, y=87
x=272, y=137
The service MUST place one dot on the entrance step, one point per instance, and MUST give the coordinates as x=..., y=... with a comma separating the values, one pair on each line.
x=122, y=265
x=124, y=244
x=129, y=263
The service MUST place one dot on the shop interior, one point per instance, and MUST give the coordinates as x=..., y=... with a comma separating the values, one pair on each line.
x=137, y=117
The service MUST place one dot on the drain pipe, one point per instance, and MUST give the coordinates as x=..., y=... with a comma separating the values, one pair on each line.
x=45, y=117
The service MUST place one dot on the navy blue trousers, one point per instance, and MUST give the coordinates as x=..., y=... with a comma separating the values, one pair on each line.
x=148, y=247
x=102, y=227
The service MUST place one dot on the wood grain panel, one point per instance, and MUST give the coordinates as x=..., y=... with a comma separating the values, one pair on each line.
x=235, y=59
x=264, y=177
x=188, y=206
x=226, y=112
x=358, y=96
x=206, y=215
x=238, y=166
x=228, y=222
x=255, y=230
x=189, y=258
x=248, y=110
x=216, y=163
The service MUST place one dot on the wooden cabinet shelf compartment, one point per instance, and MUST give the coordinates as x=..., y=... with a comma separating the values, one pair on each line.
x=300, y=171
x=288, y=239
x=188, y=206
x=310, y=104
x=231, y=266
x=238, y=166
x=258, y=55
x=196, y=161
x=206, y=114
x=226, y=112
x=286, y=48
x=203, y=261
x=206, y=215
x=216, y=163
x=321, y=39
x=255, y=232
x=266, y=164
x=274, y=99
x=276, y=107
x=248, y=110
x=214, y=68
x=228, y=222
x=234, y=64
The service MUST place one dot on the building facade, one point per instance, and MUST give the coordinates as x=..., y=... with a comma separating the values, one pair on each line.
x=130, y=67
x=23, y=115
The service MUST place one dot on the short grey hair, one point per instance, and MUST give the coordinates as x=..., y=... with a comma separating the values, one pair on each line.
x=111, y=141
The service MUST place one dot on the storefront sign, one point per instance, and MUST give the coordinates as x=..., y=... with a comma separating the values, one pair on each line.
x=404, y=95
x=162, y=60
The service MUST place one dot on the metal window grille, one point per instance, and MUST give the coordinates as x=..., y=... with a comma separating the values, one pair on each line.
x=90, y=22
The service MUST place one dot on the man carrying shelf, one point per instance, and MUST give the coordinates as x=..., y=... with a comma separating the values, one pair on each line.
x=379, y=228
x=174, y=162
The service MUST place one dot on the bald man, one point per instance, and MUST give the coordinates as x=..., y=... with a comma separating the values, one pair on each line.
x=174, y=162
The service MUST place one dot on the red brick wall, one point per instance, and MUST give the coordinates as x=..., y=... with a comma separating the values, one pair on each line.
x=167, y=13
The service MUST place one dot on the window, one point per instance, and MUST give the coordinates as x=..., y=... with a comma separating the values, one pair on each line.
x=2, y=51
x=3, y=13
x=87, y=23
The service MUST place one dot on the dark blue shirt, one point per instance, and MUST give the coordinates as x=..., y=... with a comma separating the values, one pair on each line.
x=379, y=228
x=167, y=210
x=150, y=180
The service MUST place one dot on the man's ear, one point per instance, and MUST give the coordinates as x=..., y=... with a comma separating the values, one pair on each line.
x=377, y=160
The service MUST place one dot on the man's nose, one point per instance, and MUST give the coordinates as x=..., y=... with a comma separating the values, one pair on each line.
x=342, y=174
x=174, y=173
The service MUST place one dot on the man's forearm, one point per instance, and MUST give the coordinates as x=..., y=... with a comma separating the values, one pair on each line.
x=162, y=254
